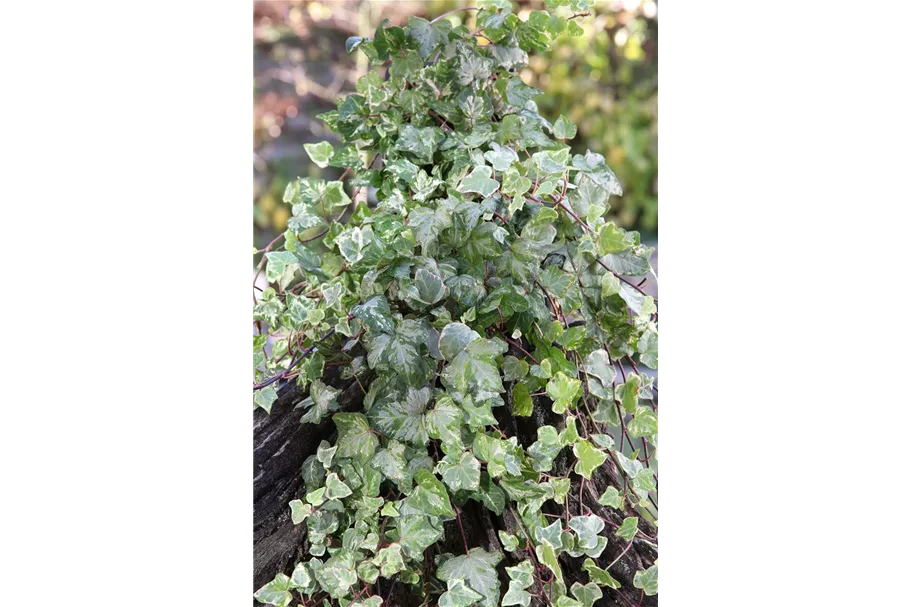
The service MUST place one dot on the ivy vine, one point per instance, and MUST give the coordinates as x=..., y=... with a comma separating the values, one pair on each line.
x=486, y=277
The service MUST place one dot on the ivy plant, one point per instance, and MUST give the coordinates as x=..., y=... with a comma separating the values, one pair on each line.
x=463, y=271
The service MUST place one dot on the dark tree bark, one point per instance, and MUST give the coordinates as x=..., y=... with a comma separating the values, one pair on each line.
x=281, y=444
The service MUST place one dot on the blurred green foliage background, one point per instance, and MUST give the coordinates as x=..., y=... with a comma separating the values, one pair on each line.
x=605, y=81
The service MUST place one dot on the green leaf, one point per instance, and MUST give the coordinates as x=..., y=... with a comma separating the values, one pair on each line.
x=354, y=436
x=458, y=595
x=648, y=349
x=351, y=244
x=588, y=458
x=479, y=181
x=320, y=153
x=522, y=405
x=564, y=391
x=430, y=496
x=473, y=367
x=647, y=580
x=478, y=570
x=460, y=471
x=276, y=592
x=570, y=433
x=265, y=397
x=599, y=576
x=628, y=528
x=490, y=495
x=428, y=35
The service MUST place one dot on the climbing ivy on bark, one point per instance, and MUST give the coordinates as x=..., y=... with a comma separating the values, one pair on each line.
x=484, y=273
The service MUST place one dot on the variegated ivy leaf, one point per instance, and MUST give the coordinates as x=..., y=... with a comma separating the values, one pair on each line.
x=510, y=541
x=628, y=393
x=501, y=157
x=280, y=267
x=265, y=397
x=478, y=570
x=458, y=595
x=355, y=438
x=368, y=572
x=417, y=532
x=302, y=578
x=335, y=488
x=391, y=461
x=563, y=128
x=647, y=580
x=564, y=391
x=588, y=458
x=460, y=472
x=320, y=153
x=599, y=576
x=299, y=511
x=588, y=594
x=628, y=528
x=321, y=401
x=403, y=419
x=389, y=560
x=473, y=367
x=644, y=424
x=325, y=453
x=479, y=181
x=587, y=529
x=444, y=422
x=545, y=449
x=277, y=592
x=611, y=497
x=429, y=496
x=337, y=575
x=516, y=595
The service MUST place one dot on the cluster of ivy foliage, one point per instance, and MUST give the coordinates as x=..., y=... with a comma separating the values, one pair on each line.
x=486, y=275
